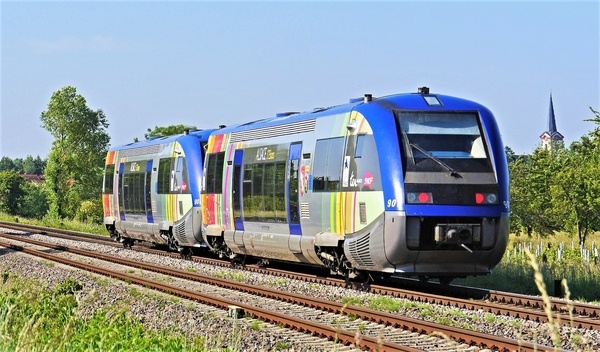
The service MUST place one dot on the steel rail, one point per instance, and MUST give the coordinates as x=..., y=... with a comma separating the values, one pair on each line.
x=306, y=326
x=388, y=319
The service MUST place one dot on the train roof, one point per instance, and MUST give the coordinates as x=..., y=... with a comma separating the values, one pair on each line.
x=411, y=101
x=200, y=134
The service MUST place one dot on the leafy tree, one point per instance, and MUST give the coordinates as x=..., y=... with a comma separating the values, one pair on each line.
x=167, y=131
x=6, y=164
x=511, y=157
x=577, y=187
x=18, y=165
x=531, y=177
x=11, y=191
x=40, y=165
x=29, y=165
x=35, y=201
x=74, y=170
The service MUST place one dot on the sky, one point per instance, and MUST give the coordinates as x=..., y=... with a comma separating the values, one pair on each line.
x=204, y=64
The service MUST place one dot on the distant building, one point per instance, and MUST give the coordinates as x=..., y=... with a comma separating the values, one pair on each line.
x=551, y=133
x=34, y=178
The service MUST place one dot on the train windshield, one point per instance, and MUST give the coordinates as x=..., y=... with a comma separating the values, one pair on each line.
x=443, y=141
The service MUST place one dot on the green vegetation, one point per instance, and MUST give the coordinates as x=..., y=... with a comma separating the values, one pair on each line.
x=514, y=273
x=35, y=319
x=230, y=275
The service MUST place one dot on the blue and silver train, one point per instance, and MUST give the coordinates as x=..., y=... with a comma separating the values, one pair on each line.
x=412, y=184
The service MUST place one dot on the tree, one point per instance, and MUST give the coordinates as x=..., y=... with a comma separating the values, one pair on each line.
x=35, y=201
x=29, y=165
x=532, y=208
x=167, y=131
x=6, y=164
x=11, y=191
x=18, y=165
x=40, y=165
x=74, y=170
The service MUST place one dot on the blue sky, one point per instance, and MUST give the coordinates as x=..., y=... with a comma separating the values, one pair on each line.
x=148, y=64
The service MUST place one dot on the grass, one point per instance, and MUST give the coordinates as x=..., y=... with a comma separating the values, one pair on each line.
x=515, y=274
x=34, y=318
x=71, y=225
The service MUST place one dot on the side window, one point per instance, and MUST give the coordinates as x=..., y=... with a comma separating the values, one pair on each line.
x=264, y=192
x=133, y=187
x=327, y=164
x=109, y=179
x=214, y=173
x=179, y=181
x=360, y=143
x=164, y=176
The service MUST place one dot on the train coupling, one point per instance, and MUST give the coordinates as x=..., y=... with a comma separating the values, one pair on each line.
x=458, y=234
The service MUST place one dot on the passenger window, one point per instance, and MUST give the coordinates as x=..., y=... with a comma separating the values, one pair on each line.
x=327, y=164
x=109, y=179
x=214, y=173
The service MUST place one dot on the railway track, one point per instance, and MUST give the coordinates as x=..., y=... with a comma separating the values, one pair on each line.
x=515, y=305
x=391, y=332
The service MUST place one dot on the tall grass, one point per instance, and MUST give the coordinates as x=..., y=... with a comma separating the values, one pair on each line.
x=43, y=319
x=71, y=225
x=514, y=273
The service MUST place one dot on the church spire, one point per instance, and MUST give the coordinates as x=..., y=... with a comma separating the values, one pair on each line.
x=551, y=118
x=552, y=133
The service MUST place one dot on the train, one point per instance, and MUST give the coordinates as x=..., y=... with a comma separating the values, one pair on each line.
x=412, y=184
x=151, y=191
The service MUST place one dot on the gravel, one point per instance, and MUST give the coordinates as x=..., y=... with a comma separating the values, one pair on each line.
x=159, y=311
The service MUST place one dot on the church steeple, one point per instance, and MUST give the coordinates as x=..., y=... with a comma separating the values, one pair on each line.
x=551, y=118
x=551, y=133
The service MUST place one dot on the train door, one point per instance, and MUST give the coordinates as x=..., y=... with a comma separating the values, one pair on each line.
x=236, y=190
x=291, y=192
x=292, y=197
x=121, y=190
x=148, y=192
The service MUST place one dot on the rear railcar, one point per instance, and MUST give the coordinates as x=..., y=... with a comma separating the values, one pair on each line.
x=151, y=191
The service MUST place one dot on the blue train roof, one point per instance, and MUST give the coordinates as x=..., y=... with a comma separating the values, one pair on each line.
x=410, y=101
x=200, y=134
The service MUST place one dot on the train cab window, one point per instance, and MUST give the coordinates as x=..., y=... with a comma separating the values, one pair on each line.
x=454, y=137
x=109, y=179
x=327, y=164
x=214, y=173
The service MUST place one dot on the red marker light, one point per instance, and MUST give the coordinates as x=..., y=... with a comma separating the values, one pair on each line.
x=479, y=198
x=423, y=197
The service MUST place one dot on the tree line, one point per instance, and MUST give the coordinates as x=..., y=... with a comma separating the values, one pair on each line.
x=550, y=190
x=29, y=165
x=557, y=189
x=74, y=168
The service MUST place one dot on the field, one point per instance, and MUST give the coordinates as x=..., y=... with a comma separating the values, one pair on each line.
x=559, y=257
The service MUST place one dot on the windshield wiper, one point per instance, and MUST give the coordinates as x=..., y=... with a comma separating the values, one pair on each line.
x=436, y=159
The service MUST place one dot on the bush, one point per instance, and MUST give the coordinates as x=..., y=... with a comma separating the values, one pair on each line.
x=90, y=211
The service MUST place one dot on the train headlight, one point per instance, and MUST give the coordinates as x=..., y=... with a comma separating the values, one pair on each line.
x=486, y=198
x=419, y=197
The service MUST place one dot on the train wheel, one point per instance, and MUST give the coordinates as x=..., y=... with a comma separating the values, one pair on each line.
x=446, y=280
x=186, y=253
x=127, y=243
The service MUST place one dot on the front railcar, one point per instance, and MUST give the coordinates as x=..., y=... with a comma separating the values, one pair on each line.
x=445, y=185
